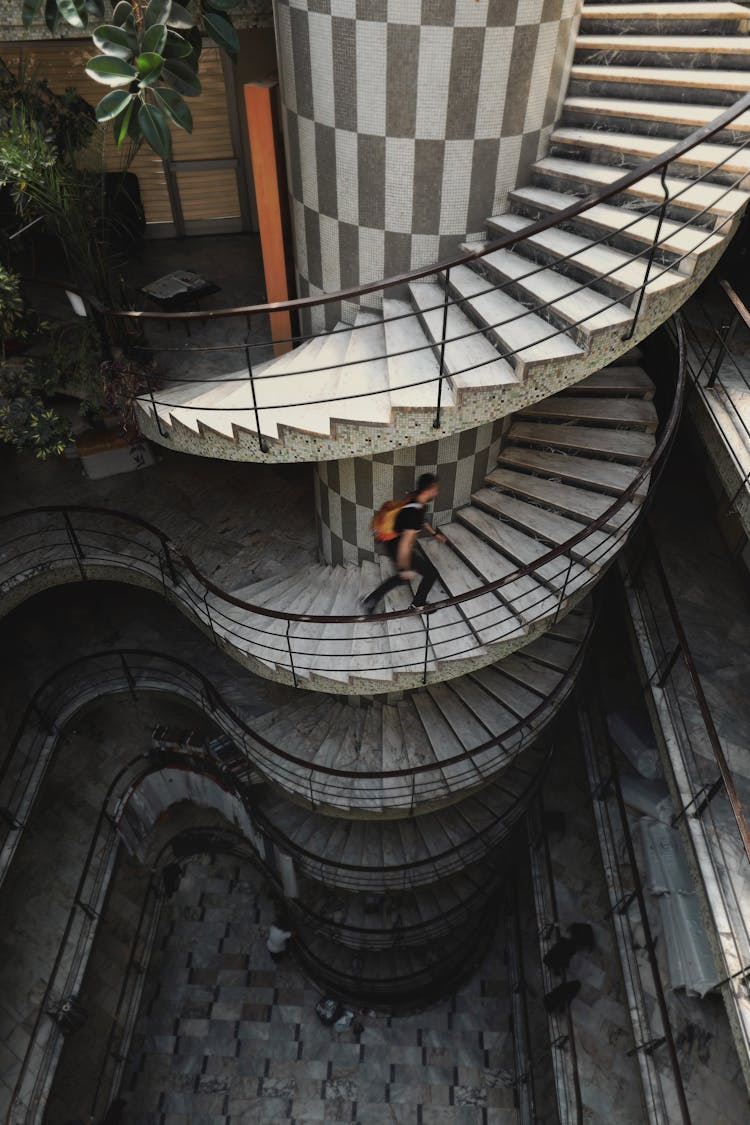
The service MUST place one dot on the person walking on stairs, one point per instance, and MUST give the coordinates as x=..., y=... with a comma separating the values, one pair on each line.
x=408, y=523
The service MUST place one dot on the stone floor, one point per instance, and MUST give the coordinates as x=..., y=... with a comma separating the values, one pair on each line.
x=228, y=1035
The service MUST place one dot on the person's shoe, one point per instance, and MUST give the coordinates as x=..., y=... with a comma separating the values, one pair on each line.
x=368, y=605
x=417, y=608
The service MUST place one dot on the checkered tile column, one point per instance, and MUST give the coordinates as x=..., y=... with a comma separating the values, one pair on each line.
x=406, y=124
x=348, y=492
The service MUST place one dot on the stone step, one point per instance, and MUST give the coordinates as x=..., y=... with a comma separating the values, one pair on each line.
x=622, y=228
x=561, y=300
x=554, y=529
x=605, y=268
x=617, y=379
x=562, y=497
x=636, y=413
x=412, y=368
x=599, y=476
x=611, y=147
x=623, y=445
x=697, y=199
x=639, y=116
x=469, y=357
x=709, y=50
x=720, y=86
x=526, y=340
x=716, y=16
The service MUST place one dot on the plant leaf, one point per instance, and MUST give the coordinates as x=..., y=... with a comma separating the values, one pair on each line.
x=73, y=12
x=149, y=67
x=121, y=11
x=222, y=32
x=173, y=104
x=157, y=12
x=110, y=71
x=175, y=47
x=52, y=16
x=95, y=8
x=181, y=77
x=153, y=126
x=154, y=39
x=180, y=17
x=29, y=10
x=113, y=41
x=112, y=104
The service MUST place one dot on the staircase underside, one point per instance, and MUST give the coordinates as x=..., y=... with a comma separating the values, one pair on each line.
x=524, y=323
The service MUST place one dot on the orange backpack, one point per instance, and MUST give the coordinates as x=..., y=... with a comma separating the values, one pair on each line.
x=384, y=520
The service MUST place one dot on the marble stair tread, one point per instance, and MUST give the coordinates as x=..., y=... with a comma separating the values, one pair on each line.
x=604, y=476
x=333, y=652
x=690, y=196
x=625, y=445
x=536, y=677
x=371, y=643
x=412, y=376
x=451, y=634
x=445, y=740
x=524, y=549
x=469, y=357
x=527, y=338
x=609, y=220
x=489, y=619
x=512, y=695
x=671, y=113
x=604, y=264
x=669, y=11
x=570, y=299
x=637, y=413
x=551, y=651
x=487, y=708
x=365, y=369
x=733, y=161
x=526, y=596
x=576, y=502
x=572, y=626
x=554, y=528
x=683, y=78
x=666, y=44
x=405, y=636
x=617, y=379
x=467, y=727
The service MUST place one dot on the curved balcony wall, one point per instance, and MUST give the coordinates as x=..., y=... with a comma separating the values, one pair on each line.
x=406, y=123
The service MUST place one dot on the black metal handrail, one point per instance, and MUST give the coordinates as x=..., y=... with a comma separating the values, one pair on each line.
x=169, y=560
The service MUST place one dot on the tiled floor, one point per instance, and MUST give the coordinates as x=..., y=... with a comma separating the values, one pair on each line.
x=227, y=1035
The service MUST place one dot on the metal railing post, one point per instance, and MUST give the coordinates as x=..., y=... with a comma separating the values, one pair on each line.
x=128, y=676
x=726, y=332
x=563, y=591
x=210, y=619
x=651, y=254
x=426, y=647
x=441, y=374
x=75, y=544
x=157, y=419
x=261, y=444
x=170, y=564
x=291, y=654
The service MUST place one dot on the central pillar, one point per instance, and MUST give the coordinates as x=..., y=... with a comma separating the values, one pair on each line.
x=349, y=492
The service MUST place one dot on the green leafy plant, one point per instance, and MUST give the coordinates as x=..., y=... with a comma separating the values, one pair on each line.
x=149, y=55
x=27, y=421
x=67, y=120
x=124, y=381
x=12, y=309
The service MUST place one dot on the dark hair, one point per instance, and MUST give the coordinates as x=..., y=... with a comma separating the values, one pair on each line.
x=426, y=481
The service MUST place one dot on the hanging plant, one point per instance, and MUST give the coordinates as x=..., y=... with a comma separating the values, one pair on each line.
x=149, y=55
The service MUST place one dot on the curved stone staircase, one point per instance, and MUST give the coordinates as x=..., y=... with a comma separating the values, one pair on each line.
x=544, y=315
x=565, y=463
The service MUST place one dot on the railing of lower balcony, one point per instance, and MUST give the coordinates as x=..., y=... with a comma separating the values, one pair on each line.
x=98, y=542
x=656, y=257
x=141, y=671
x=711, y=805
x=713, y=365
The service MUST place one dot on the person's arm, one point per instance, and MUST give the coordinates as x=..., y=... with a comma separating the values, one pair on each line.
x=436, y=534
x=404, y=552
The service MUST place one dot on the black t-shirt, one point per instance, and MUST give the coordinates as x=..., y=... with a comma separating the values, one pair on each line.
x=411, y=517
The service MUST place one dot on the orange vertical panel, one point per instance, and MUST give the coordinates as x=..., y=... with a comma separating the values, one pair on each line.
x=263, y=154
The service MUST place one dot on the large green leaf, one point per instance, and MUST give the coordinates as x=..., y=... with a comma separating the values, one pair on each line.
x=121, y=11
x=157, y=12
x=173, y=104
x=155, y=130
x=95, y=8
x=122, y=124
x=110, y=71
x=113, y=104
x=29, y=10
x=181, y=77
x=154, y=39
x=180, y=17
x=114, y=41
x=222, y=32
x=149, y=67
x=73, y=12
x=176, y=47
x=52, y=16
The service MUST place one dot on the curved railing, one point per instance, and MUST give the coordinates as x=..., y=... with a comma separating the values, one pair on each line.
x=64, y=693
x=35, y=542
x=657, y=260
